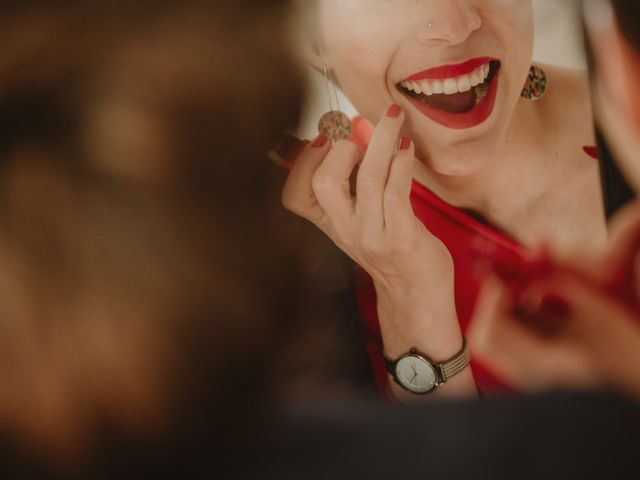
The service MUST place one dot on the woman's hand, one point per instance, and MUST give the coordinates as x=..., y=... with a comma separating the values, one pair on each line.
x=411, y=269
x=377, y=226
x=589, y=339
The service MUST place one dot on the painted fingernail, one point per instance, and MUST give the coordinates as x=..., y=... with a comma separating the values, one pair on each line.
x=287, y=150
x=405, y=143
x=320, y=141
x=394, y=111
x=553, y=305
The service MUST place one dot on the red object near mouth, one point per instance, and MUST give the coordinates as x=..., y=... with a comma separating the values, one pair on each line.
x=451, y=71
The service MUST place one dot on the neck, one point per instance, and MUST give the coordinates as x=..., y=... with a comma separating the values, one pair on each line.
x=506, y=156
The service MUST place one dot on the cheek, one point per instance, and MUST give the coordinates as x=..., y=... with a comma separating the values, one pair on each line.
x=359, y=42
x=516, y=27
x=512, y=21
x=361, y=64
x=513, y=30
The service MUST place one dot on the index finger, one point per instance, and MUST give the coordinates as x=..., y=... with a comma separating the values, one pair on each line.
x=375, y=167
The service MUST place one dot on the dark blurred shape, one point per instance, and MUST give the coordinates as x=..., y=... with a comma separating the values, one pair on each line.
x=553, y=436
x=627, y=15
x=143, y=282
x=616, y=189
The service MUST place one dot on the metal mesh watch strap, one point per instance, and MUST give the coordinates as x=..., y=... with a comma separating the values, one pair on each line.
x=455, y=365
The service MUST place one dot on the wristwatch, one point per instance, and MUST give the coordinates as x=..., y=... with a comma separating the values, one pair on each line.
x=417, y=374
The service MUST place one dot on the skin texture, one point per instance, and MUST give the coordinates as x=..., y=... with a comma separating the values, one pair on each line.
x=598, y=343
x=523, y=168
x=391, y=41
x=378, y=229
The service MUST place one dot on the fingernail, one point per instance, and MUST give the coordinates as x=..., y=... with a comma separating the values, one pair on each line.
x=405, y=143
x=320, y=141
x=394, y=111
x=553, y=305
x=287, y=150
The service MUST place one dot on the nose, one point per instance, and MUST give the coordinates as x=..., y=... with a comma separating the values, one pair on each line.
x=449, y=22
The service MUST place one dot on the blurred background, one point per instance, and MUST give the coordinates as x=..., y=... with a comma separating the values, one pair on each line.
x=558, y=42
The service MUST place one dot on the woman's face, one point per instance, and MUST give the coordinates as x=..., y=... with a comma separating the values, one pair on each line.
x=456, y=66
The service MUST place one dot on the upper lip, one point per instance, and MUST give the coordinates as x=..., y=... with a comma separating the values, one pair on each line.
x=450, y=71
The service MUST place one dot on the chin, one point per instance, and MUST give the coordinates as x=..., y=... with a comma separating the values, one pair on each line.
x=461, y=154
x=458, y=152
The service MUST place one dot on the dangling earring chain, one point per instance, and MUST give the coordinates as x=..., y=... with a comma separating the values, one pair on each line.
x=331, y=88
x=335, y=124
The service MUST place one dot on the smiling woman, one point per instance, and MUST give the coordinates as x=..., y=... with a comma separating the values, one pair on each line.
x=556, y=23
x=489, y=163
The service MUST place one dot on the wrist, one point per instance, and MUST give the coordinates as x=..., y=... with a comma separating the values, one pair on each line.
x=419, y=374
x=415, y=303
x=431, y=272
x=428, y=324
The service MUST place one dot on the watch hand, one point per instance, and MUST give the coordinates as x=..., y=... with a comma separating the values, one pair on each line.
x=414, y=377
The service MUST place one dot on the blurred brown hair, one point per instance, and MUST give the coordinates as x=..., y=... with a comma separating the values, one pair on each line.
x=137, y=245
x=628, y=17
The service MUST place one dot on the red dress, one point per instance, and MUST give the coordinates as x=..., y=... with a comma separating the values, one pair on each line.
x=457, y=230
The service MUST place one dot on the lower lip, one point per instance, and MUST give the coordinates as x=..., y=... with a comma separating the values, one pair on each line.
x=463, y=121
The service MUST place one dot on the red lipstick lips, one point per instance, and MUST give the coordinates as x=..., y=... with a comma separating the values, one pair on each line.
x=451, y=71
x=458, y=121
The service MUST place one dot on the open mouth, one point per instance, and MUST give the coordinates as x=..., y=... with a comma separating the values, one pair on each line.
x=459, y=96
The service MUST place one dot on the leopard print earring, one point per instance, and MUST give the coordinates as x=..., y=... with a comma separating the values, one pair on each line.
x=536, y=85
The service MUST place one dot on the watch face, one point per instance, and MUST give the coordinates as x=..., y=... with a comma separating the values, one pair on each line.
x=415, y=374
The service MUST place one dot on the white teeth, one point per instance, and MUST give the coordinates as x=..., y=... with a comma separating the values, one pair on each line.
x=464, y=84
x=450, y=86
x=476, y=79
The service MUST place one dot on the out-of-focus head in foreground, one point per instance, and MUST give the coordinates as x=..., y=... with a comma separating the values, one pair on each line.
x=140, y=275
x=614, y=30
